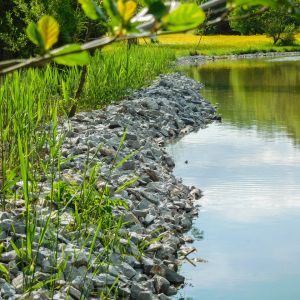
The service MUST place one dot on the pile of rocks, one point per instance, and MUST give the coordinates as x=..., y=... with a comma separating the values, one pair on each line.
x=161, y=207
x=197, y=60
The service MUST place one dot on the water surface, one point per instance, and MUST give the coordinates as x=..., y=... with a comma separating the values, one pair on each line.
x=249, y=169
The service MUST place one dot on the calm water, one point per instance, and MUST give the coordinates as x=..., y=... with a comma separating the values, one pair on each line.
x=249, y=169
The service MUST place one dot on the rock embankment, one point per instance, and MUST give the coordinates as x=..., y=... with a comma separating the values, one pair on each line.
x=161, y=207
x=197, y=60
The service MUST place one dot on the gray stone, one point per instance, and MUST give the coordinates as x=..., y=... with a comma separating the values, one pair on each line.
x=7, y=291
x=161, y=284
x=127, y=270
x=40, y=294
x=172, y=291
x=186, y=222
x=188, y=121
x=144, y=204
x=107, y=279
x=59, y=296
x=76, y=294
x=140, y=212
x=154, y=247
x=153, y=198
x=169, y=161
x=124, y=292
x=4, y=215
x=146, y=295
x=149, y=219
x=132, y=261
x=131, y=136
x=80, y=259
x=128, y=165
x=173, y=277
x=147, y=264
x=163, y=297
x=5, y=225
x=83, y=284
x=17, y=282
x=8, y=256
x=114, y=271
x=138, y=293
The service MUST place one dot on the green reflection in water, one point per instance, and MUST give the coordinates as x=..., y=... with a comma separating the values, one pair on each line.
x=261, y=93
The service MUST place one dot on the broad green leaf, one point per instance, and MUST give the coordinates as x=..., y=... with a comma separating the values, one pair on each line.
x=186, y=17
x=74, y=59
x=92, y=10
x=34, y=35
x=49, y=30
x=126, y=9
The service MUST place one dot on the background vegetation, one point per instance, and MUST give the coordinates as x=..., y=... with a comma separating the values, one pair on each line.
x=277, y=23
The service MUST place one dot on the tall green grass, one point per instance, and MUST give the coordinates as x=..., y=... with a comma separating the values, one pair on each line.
x=28, y=99
x=115, y=72
x=33, y=103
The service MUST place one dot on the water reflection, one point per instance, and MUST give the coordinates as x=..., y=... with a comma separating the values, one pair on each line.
x=260, y=93
x=249, y=170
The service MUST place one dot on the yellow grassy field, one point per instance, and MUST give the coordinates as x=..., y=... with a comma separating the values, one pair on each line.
x=216, y=39
x=222, y=44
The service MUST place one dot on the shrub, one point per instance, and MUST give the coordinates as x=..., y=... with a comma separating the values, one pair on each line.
x=288, y=37
x=278, y=24
x=248, y=26
x=16, y=14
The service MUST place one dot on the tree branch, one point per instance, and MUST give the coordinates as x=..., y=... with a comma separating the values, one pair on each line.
x=42, y=60
x=211, y=4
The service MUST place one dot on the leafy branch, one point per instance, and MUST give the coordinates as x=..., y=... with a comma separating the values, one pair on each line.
x=125, y=23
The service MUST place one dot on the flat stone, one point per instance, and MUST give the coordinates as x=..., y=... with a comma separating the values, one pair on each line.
x=149, y=219
x=155, y=199
x=127, y=270
x=7, y=291
x=129, y=165
x=17, y=282
x=76, y=294
x=8, y=256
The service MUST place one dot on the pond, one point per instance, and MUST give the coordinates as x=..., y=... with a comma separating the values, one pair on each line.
x=248, y=166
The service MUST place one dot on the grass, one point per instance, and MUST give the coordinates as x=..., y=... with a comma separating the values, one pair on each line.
x=114, y=73
x=184, y=44
x=33, y=103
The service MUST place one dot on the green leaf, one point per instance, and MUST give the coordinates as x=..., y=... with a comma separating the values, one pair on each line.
x=126, y=158
x=126, y=9
x=4, y=271
x=127, y=184
x=79, y=58
x=186, y=17
x=34, y=35
x=92, y=10
x=49, y=30
x=111, y=9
